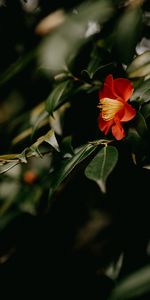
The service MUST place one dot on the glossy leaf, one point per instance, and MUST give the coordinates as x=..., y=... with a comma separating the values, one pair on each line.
x=68, y=165
x=99, y=61
x=102, y=165
x=58, y=95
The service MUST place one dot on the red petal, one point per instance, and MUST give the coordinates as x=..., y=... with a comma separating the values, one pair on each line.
x=108, y=89
x=123, y=88
x=129, y=113
x=103, y=125
x=109, y=80
x=118, y=131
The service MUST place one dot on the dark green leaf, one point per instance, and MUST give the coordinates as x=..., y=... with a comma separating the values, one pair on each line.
x=100, y=59
x=68, y=165
x=140, y=125
x=66, y=146
x=58, y=95
x=127, y=34
x=17, y=67
x=7, y=218
x=146, y=110
x=102, y=165
x=138, y=145
x=29, y=199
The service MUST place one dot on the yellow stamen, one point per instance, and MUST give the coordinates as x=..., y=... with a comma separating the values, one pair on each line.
x=109, y=108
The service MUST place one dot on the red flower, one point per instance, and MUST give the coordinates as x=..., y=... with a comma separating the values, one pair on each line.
x=114, y=109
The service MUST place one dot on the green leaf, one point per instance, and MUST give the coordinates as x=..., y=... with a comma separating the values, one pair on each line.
x=30, y=199
x=140, y=125
x=9, y=161
x=142, y=92
x=138, y=136
x=140, y=66
x=68, y=165
x=7, y=218
x=17, y=67
x=66, y=146
x=49, y=138
x=58, y=95
x=135, y=140
x=138, y=144
x=127, y=34
x=146, y=110
x=100, y=60
x=102, y=165
x=133, y=286
x=59, y=48
x=42, y=117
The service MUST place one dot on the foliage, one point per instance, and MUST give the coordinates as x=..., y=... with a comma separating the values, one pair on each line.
x=49, y=83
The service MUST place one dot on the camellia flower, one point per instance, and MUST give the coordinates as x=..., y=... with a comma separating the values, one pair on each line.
x=114, y=109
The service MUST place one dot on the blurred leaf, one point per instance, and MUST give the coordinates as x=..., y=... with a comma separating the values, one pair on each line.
x=9, y=161
x=142, y=92
x=7, y=218
x=140, y=66
x=24, y=134
x=29, y=199
x=8, y=166
x=17, y=67
x=23, y=156
x=135, y=285
x=7, y=157
x=97, y=223
x=42, y=120
x=58, y=49
x=114, y=268
x=68, y=165
x=127, y=34
x=102, y=165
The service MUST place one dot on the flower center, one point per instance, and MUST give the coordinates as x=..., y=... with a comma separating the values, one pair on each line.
x=109, y=107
